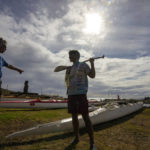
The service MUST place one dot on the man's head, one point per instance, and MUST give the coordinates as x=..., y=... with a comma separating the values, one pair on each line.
x=3, y=44
x=74, y=55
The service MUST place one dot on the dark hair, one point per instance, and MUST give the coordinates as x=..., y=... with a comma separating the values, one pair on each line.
x=2, y=42
x=74, y=52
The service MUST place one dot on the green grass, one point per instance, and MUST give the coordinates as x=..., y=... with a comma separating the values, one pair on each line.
x=128, y=133
x=7, y=115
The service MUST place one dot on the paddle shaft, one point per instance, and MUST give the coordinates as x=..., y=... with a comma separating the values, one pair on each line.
x=61, y=68
x=94, y=58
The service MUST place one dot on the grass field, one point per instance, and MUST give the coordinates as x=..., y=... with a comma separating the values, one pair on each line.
x=129, y=133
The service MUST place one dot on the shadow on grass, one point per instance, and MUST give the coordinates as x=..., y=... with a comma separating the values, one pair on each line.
x=52, y=138
x=9, y=110
x=71, y=146
x=66, y=135
x=28, y=109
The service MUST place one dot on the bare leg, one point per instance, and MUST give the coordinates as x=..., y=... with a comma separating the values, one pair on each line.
x=89, y=127
x=75, y=123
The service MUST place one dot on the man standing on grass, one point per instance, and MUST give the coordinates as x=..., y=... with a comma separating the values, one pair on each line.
x=77, y=87
x=3, y=63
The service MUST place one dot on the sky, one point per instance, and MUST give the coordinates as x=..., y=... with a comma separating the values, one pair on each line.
x=40, y=34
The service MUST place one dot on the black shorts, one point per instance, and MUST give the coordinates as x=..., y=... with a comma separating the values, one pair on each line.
x=78, y=104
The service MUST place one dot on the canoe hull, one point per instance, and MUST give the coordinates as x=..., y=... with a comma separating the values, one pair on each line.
x=98, y=116
x=42, y=104
x=34, y=104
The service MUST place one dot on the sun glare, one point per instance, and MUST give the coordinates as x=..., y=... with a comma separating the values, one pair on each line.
x=93, y=23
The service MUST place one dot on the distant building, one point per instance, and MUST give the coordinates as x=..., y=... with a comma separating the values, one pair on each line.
x=26, y=87
x=118, y=97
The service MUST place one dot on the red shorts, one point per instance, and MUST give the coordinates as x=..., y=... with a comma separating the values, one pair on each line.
x=77, y=104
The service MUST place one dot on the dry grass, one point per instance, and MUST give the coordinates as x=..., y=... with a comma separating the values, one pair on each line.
x=128, y=133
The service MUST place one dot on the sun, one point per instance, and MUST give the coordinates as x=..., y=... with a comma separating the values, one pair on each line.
x=93, y=23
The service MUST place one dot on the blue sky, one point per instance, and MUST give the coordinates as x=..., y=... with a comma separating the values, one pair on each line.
x=41, y=32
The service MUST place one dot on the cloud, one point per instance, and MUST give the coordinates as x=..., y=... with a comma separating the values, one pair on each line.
x=40, y=36
x=124, y=74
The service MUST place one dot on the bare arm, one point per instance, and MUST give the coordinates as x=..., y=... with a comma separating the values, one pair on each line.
x=60, y=68
x=92, y=72
x=14, y=68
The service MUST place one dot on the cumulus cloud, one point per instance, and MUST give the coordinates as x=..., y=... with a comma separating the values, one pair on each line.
x=40, y=36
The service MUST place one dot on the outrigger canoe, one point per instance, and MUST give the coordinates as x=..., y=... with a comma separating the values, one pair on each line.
x=98, y=116
x=34, y=104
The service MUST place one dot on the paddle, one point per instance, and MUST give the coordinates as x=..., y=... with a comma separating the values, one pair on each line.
x=94, y=58
x=61, y=68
